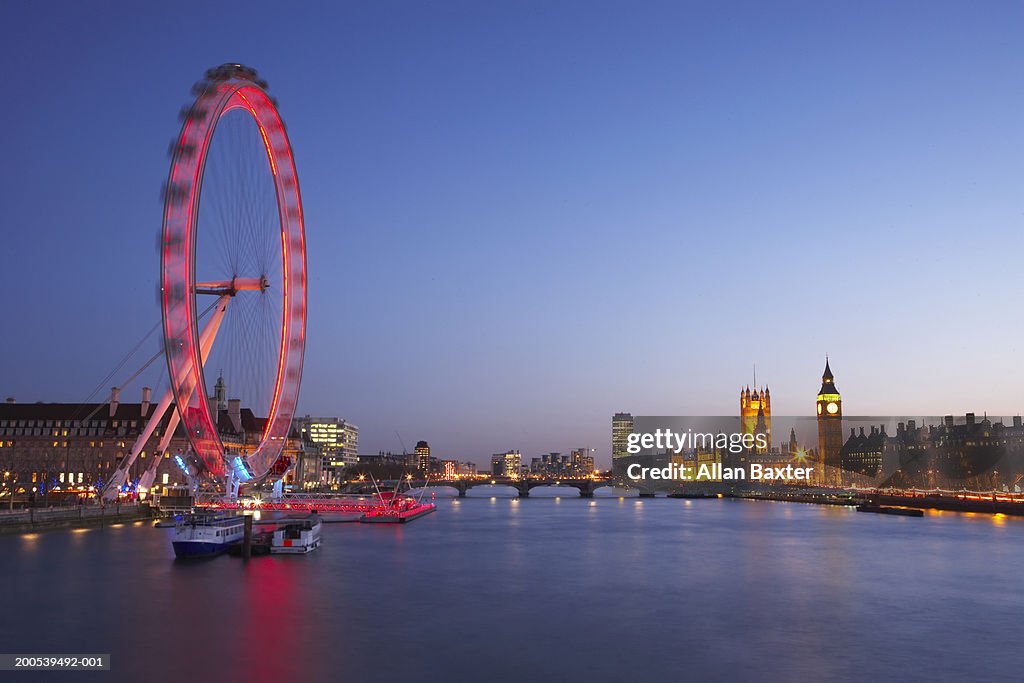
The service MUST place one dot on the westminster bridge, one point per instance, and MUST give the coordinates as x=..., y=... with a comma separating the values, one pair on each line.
x=585, y=485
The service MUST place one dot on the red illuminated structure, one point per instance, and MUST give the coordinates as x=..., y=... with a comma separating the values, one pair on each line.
x=233, y=158
x=384, y=507
x=226, y=89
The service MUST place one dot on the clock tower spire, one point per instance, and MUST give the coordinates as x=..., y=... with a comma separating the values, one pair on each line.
x=830, y=429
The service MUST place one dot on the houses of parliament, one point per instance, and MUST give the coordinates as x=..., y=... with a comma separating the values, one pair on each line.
x=972, y=453
x=756, y=412
x=978, y=454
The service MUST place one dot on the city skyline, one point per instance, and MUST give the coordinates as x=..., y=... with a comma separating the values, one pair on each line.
x=505, y=249
x=342, y=435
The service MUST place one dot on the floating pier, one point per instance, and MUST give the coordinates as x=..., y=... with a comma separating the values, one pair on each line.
x=386, y=508
x=398, y=516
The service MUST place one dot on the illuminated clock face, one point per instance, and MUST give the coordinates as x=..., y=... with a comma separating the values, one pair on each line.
x=819, y=409
x=832, y=407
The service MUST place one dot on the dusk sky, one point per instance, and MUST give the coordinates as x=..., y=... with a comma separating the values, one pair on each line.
x=523, y=217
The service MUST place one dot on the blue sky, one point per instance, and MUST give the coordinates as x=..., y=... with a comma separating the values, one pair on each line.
x=523, y=217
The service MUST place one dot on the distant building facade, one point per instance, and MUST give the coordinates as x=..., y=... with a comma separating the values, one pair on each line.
x=582, y=462
x=579, y=463
x=56, y=446
x=338, y=441
x=382, y=458
x=622, y=427
x=507, y=464
x=52, y=447
x=862, y=453
x=422, y=457
x=972, y=454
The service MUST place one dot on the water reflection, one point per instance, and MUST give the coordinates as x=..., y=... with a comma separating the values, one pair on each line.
x=599, y=589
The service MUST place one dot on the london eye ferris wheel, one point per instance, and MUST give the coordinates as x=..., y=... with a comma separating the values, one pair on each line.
x=233, y=267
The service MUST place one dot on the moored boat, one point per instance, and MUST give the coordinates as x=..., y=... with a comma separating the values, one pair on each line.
x=206, y=535
x=167, y=522
x=296, y=537
x=885, y=510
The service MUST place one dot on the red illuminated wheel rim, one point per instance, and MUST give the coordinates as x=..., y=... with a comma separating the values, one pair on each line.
x=233, y=213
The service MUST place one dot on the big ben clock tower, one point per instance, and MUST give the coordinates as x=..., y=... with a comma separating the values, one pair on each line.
x=830, y=430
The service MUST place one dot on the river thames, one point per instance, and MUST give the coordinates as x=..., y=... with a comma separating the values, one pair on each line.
x=541, y=589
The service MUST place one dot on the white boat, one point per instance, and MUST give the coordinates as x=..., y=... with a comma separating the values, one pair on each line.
x=296, y=538
x=206, y=535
